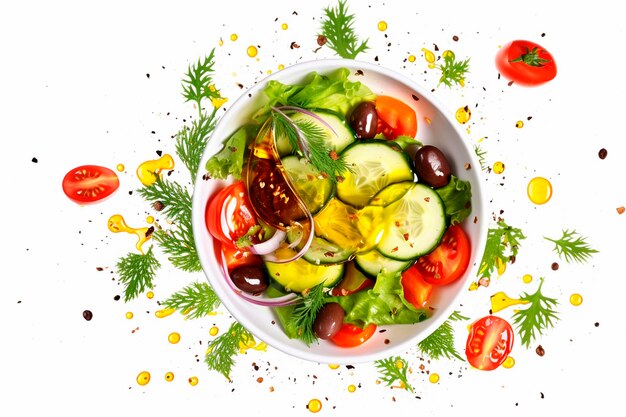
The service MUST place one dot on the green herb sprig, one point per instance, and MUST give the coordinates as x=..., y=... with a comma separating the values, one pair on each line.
x=194, y=301
x=440, y=343
x=572, y=246
x=394, y=369
x=337, y=28
x=503, y=243
x=191, y=141
x=222, y=350
x=537, y=317
x=452, y=71
x=481, y=153
x=198, y=83
x=305, y=312
x=137, y=272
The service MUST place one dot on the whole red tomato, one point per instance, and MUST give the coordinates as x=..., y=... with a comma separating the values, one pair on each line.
x=525, y=63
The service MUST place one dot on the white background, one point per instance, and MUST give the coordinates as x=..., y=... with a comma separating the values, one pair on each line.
x=74, y=90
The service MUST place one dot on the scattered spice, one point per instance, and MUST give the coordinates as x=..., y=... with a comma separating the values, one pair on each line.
x=158, y=205
x=602, y=153
x=87, y=315
x=540, y=350
x=555, y=266
x=321, y=40
x=620, y=210
x=34, y=160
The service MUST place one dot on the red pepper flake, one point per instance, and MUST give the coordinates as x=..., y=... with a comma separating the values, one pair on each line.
x=405, y=236
x=394, y=249
x=427, y=199
x=455, y=38
x=602, y=153
x=555, y=266
x=334, y=155
x=397, y=223
x=359, y=72
x=620, y=210
x=540, y=350
x=339, y=178
x=233, y=149
x=467, y=166
x=321, y=40
x=294, y=45
x=329, y=254
x=259, y=379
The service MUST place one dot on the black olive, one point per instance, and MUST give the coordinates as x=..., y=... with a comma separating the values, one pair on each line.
x=328, y=320
x=432, y=167
x=249, y=278
x=364, y=120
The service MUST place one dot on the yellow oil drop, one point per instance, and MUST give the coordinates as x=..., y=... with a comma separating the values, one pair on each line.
x=117, y=224
x=150, y=295
x=473, y=286
x=501, y=265
x=193, y=381
x=173, y=338
x=527, y=279
x=508, y=363
x=434, y=378
x=284, y=26
x=269, y=71
x=539, y=190
x=221, y=42
x=149, y=172
x=382, y=26
x=252, y=51
x=314, y=405
x=411, y=58
x=213, y=331
x=519, y=124
x=498, y=167
x=333, y=366
x=120, y=167
x=218, y=102
x=351, y=388
x=169, y=377
x=576, y=299
x=463, y=115
x=429, y=56
x=234, y=37
x=129, y=315
x=164, y=312
x=500, y=301
x=281, y=67
x=448, y=53
x=150, y=219
x=399, y=364
x=143, y=378
x=427, y=120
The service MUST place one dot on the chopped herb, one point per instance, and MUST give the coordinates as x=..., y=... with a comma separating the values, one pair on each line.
x=502, y=245
x=394, y=369
x=194, y=301
x=537, y=317
x=137, y=272
x=480, y=153
x=441, y=342
x=305, y=312
x=337, y=28
x=572, y=247
x=222, y=350
x=452, y=71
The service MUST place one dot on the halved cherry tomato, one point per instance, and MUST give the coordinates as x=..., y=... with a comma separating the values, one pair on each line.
x=353, y=281
x=351, y=336
x=229, y=215
x=236, y=257
x=448, y=261
x=395, y=118
x=489, y=342
x=526, y=63
x=416, y=290
x=88, y=184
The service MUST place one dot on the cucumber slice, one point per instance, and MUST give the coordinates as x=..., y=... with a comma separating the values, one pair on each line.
x=337, y=139
x=321, y=251
x=413, y=225
x=314, y=189
x=373, y=164
x=373, y=262
x=342, y=225
x=300, y=274
x=391, y=193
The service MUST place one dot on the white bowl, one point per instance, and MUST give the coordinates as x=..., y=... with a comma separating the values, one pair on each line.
x=441, y=130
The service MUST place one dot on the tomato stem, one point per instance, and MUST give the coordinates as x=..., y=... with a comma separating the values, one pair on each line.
x=531, y=58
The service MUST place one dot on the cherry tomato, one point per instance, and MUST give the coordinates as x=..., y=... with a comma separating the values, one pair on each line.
x=236, y=257
x=416, y=290
x=88, y=184
x=351, y=336
x=525, y=63
x=448, y=261
x=395, y=118
x=229, y=215
x=489, y=343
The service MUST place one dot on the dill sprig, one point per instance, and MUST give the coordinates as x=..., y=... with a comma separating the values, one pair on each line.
x=572, y=247
x=452, y=71
x=305, y=312
x=191, y=141
x=137, y=272
x=222, y=350
x=177, y=242
x=537, y=317
x=194, y=301
x=198, y=83
x=394, y=369
x=440, y=343
x=502, y=246
x=308, y=138
x=480, y=153
x=337, y=27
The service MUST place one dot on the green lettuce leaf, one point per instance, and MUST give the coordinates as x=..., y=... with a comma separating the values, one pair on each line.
x=332, y=92
x=457, y=199
x=229, y=161
x=382, y=304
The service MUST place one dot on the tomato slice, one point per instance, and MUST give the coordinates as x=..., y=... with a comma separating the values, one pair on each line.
x=489, y=343
x=416, y=290
x=448, y=261
x=88, y=184
x=351, y=336
x=395, y=118
x=236, y=257
x=526, y=63
x=229, y=215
